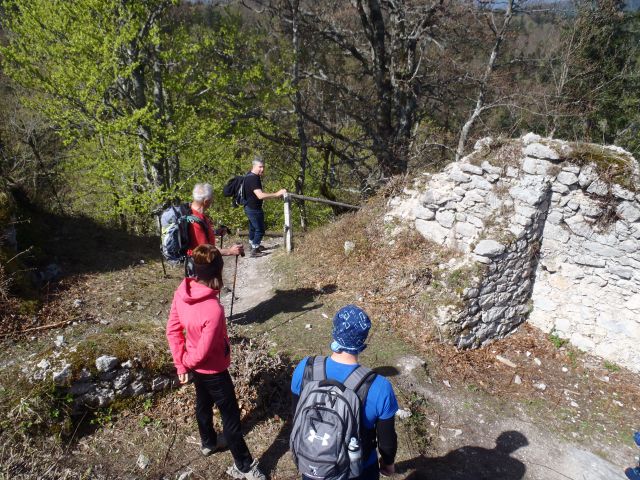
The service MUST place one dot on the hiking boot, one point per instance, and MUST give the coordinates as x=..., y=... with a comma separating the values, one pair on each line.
x=260, y=248
x=253, y=474
x=254, y=253
x=221, y=444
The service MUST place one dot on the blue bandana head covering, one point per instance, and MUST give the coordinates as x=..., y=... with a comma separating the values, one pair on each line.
x=350, y=329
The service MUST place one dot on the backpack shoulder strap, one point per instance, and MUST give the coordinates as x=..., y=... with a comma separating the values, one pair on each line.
x=360, y=381
x=314, y=369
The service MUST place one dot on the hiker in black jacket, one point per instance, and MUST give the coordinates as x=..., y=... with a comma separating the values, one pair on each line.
x=253, y=207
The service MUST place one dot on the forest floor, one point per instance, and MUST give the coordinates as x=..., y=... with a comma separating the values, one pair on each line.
x=569, y=416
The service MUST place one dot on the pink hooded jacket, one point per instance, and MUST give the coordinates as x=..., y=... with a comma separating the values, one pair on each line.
x=196, y=314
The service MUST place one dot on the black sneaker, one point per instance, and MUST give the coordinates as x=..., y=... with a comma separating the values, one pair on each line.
x=254, y=253
x=260, y=248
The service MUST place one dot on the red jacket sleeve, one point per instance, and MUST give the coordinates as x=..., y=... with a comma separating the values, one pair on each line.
x=198, y=234
x=211, y=338
x=175, y=336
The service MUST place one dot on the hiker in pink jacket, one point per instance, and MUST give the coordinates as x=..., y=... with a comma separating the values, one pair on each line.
x=197, y=334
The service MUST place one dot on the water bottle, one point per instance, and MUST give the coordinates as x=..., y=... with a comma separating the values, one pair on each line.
x=355, y=458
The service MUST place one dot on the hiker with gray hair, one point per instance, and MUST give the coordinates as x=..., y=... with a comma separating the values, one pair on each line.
x=203, y=232
x=253, y=207
x=343, y=411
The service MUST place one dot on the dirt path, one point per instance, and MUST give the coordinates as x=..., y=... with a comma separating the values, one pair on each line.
x=253, y=283
x=455, y=432
x=473, y=439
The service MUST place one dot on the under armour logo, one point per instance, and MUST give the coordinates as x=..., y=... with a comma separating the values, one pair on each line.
x=314, y=436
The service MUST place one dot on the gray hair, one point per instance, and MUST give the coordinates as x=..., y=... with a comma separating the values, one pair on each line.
x=257, y=160
x=202, y=192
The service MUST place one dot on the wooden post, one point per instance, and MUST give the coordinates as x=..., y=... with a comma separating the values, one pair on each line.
x=288, y=234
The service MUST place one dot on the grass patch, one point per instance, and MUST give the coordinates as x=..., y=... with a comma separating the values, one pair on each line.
x=556, y=340
x=611, y=367
x=612, y=167
x=417, y=426
x=141, y=341
x=572, y=355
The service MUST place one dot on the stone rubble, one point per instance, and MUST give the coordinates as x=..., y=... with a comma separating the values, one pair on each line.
x=97, y=390
x=554, y=243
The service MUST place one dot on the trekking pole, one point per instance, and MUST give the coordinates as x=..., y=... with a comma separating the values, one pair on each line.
x=164, y=269
x=233, y=290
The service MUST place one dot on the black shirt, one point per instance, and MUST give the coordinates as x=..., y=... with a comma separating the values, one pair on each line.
x=252, y=182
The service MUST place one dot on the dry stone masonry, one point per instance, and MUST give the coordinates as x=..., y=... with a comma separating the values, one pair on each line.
x=547, y=235
x=111, y=379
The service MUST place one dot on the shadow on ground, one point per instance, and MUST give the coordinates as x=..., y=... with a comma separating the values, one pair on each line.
x=283, y=301
x=78, y=244
x=471, y=462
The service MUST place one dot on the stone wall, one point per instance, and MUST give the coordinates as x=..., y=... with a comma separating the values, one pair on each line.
x=111, y=379
x=555, y=242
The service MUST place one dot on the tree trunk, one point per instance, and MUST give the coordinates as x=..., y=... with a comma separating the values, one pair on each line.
x=297, y=103
x=484, y=82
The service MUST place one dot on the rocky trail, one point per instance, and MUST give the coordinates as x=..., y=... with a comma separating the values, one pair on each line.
x=452, y=426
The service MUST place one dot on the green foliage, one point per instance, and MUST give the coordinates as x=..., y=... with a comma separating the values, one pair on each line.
x=611, y=367
x=603, y=79
x=557, y=341
x=29, y=409
x=572, y=355
x=103, y=417
x=149, y=97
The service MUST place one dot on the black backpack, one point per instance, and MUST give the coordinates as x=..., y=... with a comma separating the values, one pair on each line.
x=234, y=188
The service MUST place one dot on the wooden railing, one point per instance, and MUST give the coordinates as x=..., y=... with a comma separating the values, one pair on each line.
x=288, y=231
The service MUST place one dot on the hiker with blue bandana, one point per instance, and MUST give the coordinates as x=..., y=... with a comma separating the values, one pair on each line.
x=343, y=411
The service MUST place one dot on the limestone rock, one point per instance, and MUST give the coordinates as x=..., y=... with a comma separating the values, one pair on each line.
x=530, y=138
x=142, y=462
x=483, y=143
x=567, y=178
x=409, y=363
x=598, y=187
x=587, y=175
x=488, y=248
x=122, y=379
x=535, y=166
x=628, y=211
x=432, y=230
x=469, y=168
x=620, y=192
x=490, y=169
x=62, y=376
x=445, y=218
x=458, y=176
x=349, y=246
x=539, y=150
x=160, y=383
x=106, y=363
x=528, y=194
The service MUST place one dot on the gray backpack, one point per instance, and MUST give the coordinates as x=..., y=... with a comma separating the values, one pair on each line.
x=327, y=417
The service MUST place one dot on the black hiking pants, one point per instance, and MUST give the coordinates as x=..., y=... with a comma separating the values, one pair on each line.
x=217, y=388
